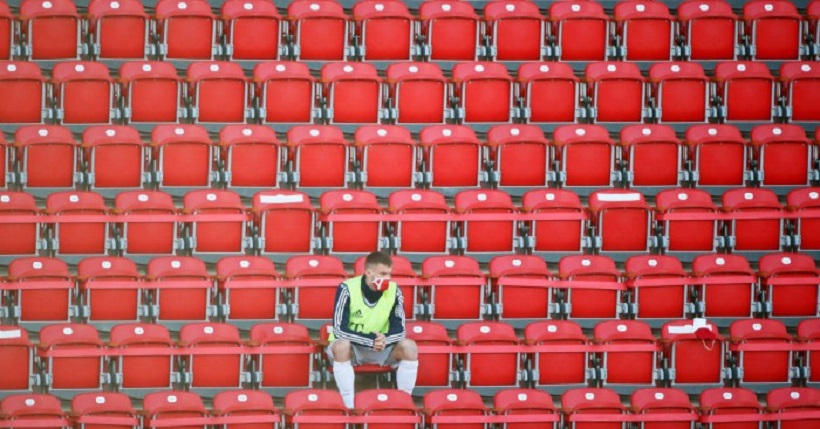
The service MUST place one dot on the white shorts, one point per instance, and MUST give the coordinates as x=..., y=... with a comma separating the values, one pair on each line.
x=366, y=355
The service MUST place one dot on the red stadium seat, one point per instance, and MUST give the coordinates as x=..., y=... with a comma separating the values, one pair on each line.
x=490, y=369
x=726, y=287
x=79, y=238
x=406, y=278
x=183, y=155
x=245, y=405
x=353, y=92
x=277, y=81
x=719, y=154
x=71, y=373
x=357, y=236
x=558, y=368
x=791, y=283
x=617, y=91
x=686, y=235
x=646, y=30
x=487, y=236
x=549, y=91
x=313, y=301
x=516, y=30
x=110, y=287
x=663, y=401
x=520, y=155
x=747, y=90
x=223, y=237
x=658, y=283
x=42, y=289
x=319, y=30
x=214, y=369
x=654, y=154
x=627, y=367
x=153, y=238
x=598, y=401
x=622, y=219
x=450, y=29
x=146, y=372
x=455, y=403
x=20, y=238
x=182, y=288
x=784, y=155
x=774, y=30
x=300, y=365
x=251, y=29
x=380, y=146
x=460, y=296
x=43, y=408
x=787, y=400
x=681, y=91
x=285, y=221
x=16, y=358
x=585, y=155
x=314, y=402
x=173, y=405
x=808, y=331
x=770, y=366
x=805, y=201
x=695, y=361
x=386, y=403
x=580, y=29
x=247, y=283
x=419, y=92
x=484, y=91
x=252, y=156
x=595, y=301
x=515, y=402
x=761, y=234
x=556, y=235
x=420, y=237
x=320, y=156
x=437, y=366
x=7, y=23
x=520, y=302
x=709, y=28
x=51, y=29
x=48, y=156
x=800, y=84
x=186, y=30
x=452, y=156
x=105, y=408
x=384, y=29
x=115, y=156
x=119, y=29
x=22, y=82
x=218, y=91
x=151, y=92
x=84, y=92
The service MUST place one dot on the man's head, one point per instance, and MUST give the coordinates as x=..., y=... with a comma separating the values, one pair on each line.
x=377, y=269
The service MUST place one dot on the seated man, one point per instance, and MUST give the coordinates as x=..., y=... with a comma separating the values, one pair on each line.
x=368, y=328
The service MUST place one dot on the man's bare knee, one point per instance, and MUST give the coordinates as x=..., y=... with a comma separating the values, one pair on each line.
x=406, y=349
x=341, y=350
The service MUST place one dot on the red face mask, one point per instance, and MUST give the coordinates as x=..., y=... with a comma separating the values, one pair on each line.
x=380, y=283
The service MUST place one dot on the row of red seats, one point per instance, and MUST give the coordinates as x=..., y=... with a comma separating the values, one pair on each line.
x=443, y=30
x=84, y=92
x=319, y=157
x=449, y=289
x=621, y=354
x=583, y=408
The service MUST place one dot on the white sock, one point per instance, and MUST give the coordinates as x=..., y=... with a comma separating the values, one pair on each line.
x=345, y=379
x=406, y=375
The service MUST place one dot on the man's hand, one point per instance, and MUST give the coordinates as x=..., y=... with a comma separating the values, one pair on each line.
x=378, y=344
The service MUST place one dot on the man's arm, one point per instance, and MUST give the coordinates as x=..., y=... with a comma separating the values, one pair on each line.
x=341, y=321
x=396, y=332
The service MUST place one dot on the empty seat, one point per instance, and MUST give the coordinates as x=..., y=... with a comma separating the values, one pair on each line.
x=119, y=29
x=385, y=30
x=213, y=369
x=79, y=238
x=600, y=298
x=405, y=278
x=726, y=285
x=316, y=278
x=622, y=220
x=762, y=229
x=43, y=408
x=19, y=238
x=791, y=283
x=484, y=91
x=110, y=287
x=654, y=154
x=248, y=284
x=419, y=92
x=804, y=201
x=319, y=30
x=115, y=156
x=672, y=403
x=218, y=237
x=800, y=84
x=617, y=91
x=299, y=364
x=520, y=155
x=681, y=91
x=695, y=359
x=719, y=154
x=455, y=404
x=452, y=155
x=83, y=91
x=41, y=289
x=22, y=82
x=320, y=156
x=709, y=28
x=549, y=90
x=285, y=221
x=762, y=366
x=182, y=288
x=437, y=366
x=183, y=155
x=151, y=92
x=80, y=371
x=386, y=403
x=111, y=409
x=174, y=405
x=516, y=30
x=554, y=367
x=808, y=331
x=252, y=156
x=252, y=407
x=141, y=238
x=16, y=357
x=314, y=402
x=659, y=288
x=218, y=91
x=251, y=29
x=487, y=236
x=450, y=29
x=279, y=81
x=142, y=370
x=500, y=368
x=646, y=30
x=803, y=401
x=353, y=92
x=514, y=280
x=534, y=403
x=354, y=236
x=556, y=235
x=380, y=146
x=51, y=29
x=585, y=155
x=581, y=30
x=456, y=287
x=783, y=154
x=48, y=156
x=746, y=89
x=634, y=362
x=687, y=235
x=7, y=23
x=774, y=30
x=602, y=402
x=420, y=237
x=186, y=30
